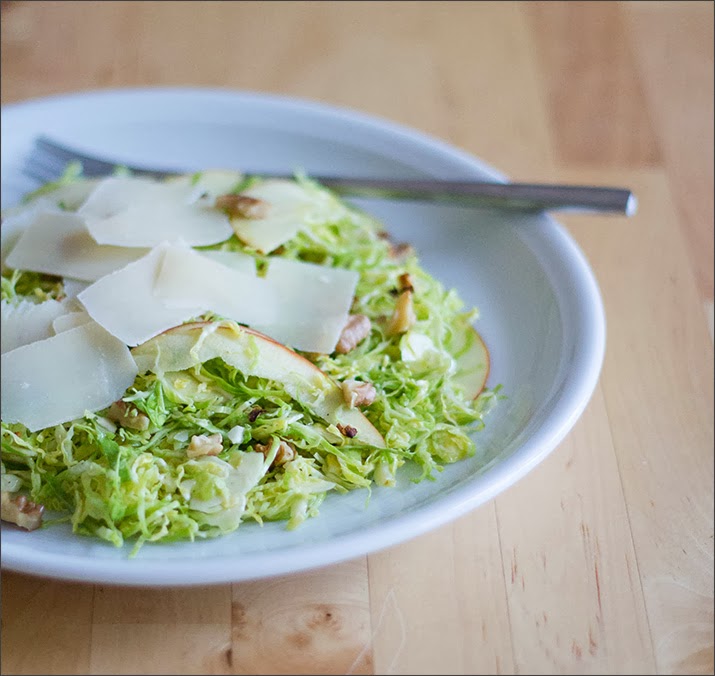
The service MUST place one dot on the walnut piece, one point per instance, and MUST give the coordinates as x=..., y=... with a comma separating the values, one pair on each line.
x=202, y=444
x=19, y=510
x=398, y=250
x=128, y=416
x=242, y=206
x=405, y=282
x=403, y=317
x=347, y=430
x=357, y=393
x=356, y=329
x=254, y=413
x=284, y=454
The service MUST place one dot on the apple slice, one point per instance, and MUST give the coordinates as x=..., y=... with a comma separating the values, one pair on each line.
x=472, y=357
x=255, y=354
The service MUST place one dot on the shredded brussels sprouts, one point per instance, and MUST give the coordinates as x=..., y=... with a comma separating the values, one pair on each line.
x=136, y=478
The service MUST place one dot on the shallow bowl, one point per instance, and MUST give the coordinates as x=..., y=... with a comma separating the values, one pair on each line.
x=541, y=314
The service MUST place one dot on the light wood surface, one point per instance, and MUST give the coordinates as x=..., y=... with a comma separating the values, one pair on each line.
x=601, y=559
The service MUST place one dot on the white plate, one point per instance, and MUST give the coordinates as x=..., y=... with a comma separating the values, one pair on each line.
x=541, y=314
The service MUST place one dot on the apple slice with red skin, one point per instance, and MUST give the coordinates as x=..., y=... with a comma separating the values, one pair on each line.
x=254, y=354
x=473, y=362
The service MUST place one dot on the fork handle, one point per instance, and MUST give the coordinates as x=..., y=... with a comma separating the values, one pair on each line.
x=520, y=196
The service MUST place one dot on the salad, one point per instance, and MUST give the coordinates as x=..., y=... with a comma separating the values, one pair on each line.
x=183, y=356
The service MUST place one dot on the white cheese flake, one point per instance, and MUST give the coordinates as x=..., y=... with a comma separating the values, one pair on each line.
x=27, y=322
x=58, y=379
x=235, y=434
x=124, y=304
x=72, y=287
x=299, y=304
x=233, y=259
x=57, y=243
x=190, y=279
x=16, y=219
x=315, y=300
x=136, y=212
x=70, y=321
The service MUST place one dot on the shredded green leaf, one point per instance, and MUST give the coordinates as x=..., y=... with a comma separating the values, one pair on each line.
x=140, y=480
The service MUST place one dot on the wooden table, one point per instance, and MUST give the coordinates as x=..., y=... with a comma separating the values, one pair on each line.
x=601, y=560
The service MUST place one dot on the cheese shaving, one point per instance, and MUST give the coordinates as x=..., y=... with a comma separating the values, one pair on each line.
x=63, y=377
x=27, y=322
x=123, y=302
x=57, y=243
x=134, y=212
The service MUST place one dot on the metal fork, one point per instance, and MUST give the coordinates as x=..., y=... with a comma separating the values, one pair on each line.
x=49, y=159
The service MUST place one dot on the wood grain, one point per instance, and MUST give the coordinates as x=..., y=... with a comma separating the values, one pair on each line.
x=186, y=630
x=596, y=101
x=658, y=384
x=39, y=618
x=601, y=559
x=438, y=602
x=312, y=623
x=342, y=59
x=673, y=45
x=574, y=595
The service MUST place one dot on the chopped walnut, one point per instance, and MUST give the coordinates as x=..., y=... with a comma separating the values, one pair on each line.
x=19, y=510
x=284, y=454
x=405, y=282
x=347, y=430
x=254, y=413
x=356, y=329
x=357, y=393
x=201, y=444
x=400, y=250
x=403, y=318
x=242, y=206
x=128, y=416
